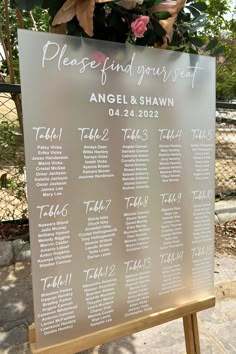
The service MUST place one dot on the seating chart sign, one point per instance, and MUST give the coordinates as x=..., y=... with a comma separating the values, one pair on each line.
x=119, y=146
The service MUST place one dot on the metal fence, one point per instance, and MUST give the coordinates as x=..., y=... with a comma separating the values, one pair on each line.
x=13, y=201
x=225, y=168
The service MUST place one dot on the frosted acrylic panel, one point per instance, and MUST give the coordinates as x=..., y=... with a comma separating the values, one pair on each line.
x=120, y=171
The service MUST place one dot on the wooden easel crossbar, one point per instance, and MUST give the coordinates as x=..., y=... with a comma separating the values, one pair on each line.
x=188, y=312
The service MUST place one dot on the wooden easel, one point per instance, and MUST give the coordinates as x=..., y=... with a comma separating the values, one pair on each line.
x=188, y=312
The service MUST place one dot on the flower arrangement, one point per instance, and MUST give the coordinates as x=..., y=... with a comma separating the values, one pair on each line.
x=170, y=24
x=158, y=23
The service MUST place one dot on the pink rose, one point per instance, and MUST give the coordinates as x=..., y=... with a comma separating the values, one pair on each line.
x=139, y=26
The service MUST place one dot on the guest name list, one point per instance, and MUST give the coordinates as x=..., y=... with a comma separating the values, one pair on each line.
x=120, y=171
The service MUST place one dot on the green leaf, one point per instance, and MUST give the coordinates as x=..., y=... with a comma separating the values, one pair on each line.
x=199, y=20
x=72, y=27
x=158, y=29
x=201, y=6
x=212, y=44
x=193, y=11
x=197, y=42
x=25, y=4
x=218, y=51
x=183, y=17
x=152, y=3
x=163, y=15
x=53, y=6
x=197, y=23
x=192, y=51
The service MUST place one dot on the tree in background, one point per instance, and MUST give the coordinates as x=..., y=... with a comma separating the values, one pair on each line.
x=221, y=28
x=226, y=73
x=10, y=20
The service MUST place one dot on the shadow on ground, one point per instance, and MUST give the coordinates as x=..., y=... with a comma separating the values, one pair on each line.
x=16, y=314
x=16, y=307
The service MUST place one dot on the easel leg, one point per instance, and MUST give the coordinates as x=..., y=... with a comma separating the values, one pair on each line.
x=191, y=334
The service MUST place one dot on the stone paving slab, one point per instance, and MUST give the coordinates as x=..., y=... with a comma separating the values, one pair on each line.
x=14, y=251
x=217, y=326
x=225, y=210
